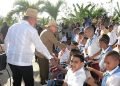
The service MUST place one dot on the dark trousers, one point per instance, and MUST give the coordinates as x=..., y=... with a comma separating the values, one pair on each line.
x=44, y=68
x=22, y=72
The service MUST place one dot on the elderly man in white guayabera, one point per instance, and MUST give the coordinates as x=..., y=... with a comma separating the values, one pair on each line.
x=20, y=43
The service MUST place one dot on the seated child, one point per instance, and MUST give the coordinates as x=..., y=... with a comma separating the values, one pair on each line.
x=77, y=75
x=64, y=55
x=104, y=45
x=74, y=45
x=82, y=45
x=80, y=38
x=73, y=52
x=112, y=35
x=64, y=38
x=112, y=75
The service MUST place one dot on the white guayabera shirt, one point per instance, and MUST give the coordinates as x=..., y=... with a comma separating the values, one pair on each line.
x=20, y=43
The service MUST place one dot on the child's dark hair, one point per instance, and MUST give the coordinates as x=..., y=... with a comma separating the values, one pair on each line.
x=110, y=26
x=105, y=38
x=85, y=38
x=81, y=33
x=79, y=56
x=74, y=43
x=114, y=55
x=74, y=51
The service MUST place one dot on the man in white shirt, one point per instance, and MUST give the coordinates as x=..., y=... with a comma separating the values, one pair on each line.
x=20, y=43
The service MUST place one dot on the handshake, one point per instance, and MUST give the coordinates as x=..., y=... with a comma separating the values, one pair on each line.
x=53, y=61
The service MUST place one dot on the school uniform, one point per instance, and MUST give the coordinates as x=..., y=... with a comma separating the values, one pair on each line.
x=75, y=78
x=113, y=37
x=111, y=78
x=102, y=57
x=64, y=56
x=92, y=46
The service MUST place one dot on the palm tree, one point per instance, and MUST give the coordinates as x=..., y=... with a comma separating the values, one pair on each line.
x=20, y=6
x=52, y=9
x=43, y=21
x=80, y=12
x=116, y=15
x=117, y=10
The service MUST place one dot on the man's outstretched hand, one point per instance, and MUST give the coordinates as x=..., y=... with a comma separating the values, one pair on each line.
x=53, y=62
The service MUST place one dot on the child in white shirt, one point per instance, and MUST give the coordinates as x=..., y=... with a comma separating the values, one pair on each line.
x=64, y=38
x=64, y=55
x=112, y=35
x=112, y=75
x=76, y=75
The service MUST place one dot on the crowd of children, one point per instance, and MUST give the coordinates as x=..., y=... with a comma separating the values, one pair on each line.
x=90, y=58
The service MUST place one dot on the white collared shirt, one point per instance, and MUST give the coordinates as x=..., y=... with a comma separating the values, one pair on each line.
x=20, y=43
x=113, y=37
x=114, y=79
x=64, y=39
x=65, y=55
x=75, y=78
x=102, y=57
x=92, y=46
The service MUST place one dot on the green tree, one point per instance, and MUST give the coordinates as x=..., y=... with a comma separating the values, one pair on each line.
x=43, y=21
x=20, y=7
x=52, y=9
x=81, y=11
x=116, y=15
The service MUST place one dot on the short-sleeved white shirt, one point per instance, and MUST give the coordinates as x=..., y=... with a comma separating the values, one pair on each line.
x=114, y=79
x=92, y=46
x=75, y=78
x=65, y=56
x=113, y=37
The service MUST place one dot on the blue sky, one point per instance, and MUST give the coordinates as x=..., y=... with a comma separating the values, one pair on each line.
x=7, y=5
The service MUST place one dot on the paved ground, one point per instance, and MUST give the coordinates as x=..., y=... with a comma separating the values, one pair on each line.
x=5, y=80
